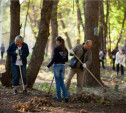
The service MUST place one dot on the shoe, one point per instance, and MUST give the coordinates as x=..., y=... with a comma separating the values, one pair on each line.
x=56, y=99
x=15, y=92
x=25, y=91
x=66, y=100
x=122, y=77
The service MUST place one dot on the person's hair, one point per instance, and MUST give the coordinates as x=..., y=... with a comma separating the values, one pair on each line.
x=123, y=50
x=61, y=40
x=87, y=41
x=18, y=38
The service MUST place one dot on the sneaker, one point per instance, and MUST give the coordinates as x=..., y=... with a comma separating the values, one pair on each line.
x=15, y=92
x=25, y=91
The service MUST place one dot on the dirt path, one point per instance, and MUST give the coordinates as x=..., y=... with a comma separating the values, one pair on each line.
x=7, y=100
x=118, y=99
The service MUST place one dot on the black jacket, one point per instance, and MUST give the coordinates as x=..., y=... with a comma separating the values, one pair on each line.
x=59, y=57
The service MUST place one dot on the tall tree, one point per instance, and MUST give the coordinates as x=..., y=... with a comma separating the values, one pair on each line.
x=54, y=26
x=65, y=33
x=34, y=18
x=79, y=17
x=101, y=25
x=39, y=48
x=78, y=20
x=106, y=22
x=14, y=31
x=91, y=21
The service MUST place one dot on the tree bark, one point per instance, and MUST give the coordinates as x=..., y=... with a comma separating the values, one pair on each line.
x=14, y=31
x=84, y=7
x=39, y=48
x=65, y=33
x=91, y=20
x=109, y=48
x=101, y=26
x=106, y=24
x=54, y=26
x=78, y=21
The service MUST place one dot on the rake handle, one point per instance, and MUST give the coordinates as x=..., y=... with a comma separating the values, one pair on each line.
x=50, y=85
x=21, y=76
x=89, y=71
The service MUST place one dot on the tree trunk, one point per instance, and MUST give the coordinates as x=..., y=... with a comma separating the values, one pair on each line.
x=120, y=35
x=26, y=18
x=109, y=48
x=54, y=26
x=84, y=7
x=39, y=48
x=14, y=31
x=33, y=26
x=34, y=20
x=101, y=26
x=79, y=18
x=91, y=20
x=106, y=23
x=65, y=33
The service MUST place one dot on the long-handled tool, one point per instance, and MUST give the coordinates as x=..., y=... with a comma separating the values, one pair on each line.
x=21, y=76
x=51, y=85
x=91, y=73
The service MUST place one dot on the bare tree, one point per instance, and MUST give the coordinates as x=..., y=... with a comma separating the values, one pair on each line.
x=14, y=31
x=65, y=33
x=54, y=26
x=39, y=48
x=106, y=23
x=101, y=26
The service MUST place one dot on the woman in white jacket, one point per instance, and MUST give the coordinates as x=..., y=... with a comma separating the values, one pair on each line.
x=120, y=60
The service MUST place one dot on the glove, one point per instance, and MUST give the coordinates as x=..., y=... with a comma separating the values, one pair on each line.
x=18, y=57
x=84, y=65
x=46, y=68
x=17, y=51
x=71, y=52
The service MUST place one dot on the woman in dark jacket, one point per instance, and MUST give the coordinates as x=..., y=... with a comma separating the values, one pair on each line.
x=60, y=56
x=18, y=50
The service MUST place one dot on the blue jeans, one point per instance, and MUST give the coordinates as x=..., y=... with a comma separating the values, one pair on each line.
x=16, y=74
x=59, y=71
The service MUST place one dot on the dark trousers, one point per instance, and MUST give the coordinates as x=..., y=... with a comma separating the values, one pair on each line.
x=101, y=61
x=2, y=53
x=16, y=74
x=122, y=70
x=113, y=61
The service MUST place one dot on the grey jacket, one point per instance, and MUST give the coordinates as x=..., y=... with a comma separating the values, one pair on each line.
x=78, y=50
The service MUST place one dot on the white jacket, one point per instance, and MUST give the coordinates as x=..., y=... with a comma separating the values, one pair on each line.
x=120, y=58
x=101, y=54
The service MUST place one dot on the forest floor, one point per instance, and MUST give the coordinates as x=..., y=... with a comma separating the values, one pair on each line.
x=92, y=100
